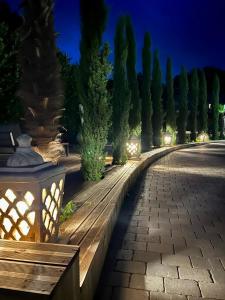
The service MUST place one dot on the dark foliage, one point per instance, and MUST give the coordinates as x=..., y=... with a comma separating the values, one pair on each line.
x=71, y=116
x=11, y=108
x=146, y=129
x=203, y=104
x=135, y=101
x=121, y=96
x=170, y=105
x=92, y=86
x=194, y=94
x=157, y=101
x=183, y=107
x=215, y=107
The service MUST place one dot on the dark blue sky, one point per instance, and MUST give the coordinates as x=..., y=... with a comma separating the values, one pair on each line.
x=192, y=32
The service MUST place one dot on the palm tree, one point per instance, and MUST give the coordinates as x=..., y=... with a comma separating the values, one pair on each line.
x=41, y=88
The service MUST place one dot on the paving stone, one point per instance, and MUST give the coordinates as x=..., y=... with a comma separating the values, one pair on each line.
x=118, y=279
x=148, y=238
x=212, y=290
x=129, y=294
x=124, y=254
x=160, y=248
x=133, y=223
x=206, y=263
x=150, y=283
x=134, y=245
x=194, y=274
x=150, y=224
x=155, y=269
x=182, y=287
x=194, y=251
x=176, y=260
x=177, y=241
x=129, y=236
x=137, y=230
x=164, y=296
x=140, y=218
x=130, y=267
x=223, y=261
x=147, y=256
x=218, y=276
x=198, y=298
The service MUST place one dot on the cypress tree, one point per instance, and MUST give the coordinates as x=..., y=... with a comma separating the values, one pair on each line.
x=221, y=121
x=215, y=107
x=203, y=103
x=183, y=108
x=157, y=101
x=146, y=116
x=194, y=94
x=135, y=102
x=121, y=96
x=221, y=126
x=170, y=104
x=92, y=87
x=71, y=117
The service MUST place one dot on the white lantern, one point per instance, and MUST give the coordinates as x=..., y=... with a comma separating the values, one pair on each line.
x=167, y=139
x=31, y=194
x=133, y=147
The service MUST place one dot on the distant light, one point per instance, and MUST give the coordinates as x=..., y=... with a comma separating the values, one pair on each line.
x=167, y=139
x=133, y=147
x=202, y=137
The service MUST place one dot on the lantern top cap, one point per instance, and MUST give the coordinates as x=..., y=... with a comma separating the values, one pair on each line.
x=24, y=140
x=133, y=138
x=24, y=156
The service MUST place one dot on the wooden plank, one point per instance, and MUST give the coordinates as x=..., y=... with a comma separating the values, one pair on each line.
x=31, y=268
x=91, y=242
x=26, y=256
x=73, y=224
x=39, y=246
x=29, y=277
x=83, y=229
x=27, y=270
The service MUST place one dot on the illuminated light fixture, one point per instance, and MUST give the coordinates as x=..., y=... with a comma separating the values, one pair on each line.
x=167, y=139
x=31, y=194
x=202, y=137
x=133, y=147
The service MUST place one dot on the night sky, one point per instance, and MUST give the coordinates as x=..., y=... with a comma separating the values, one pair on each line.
x=192, y=32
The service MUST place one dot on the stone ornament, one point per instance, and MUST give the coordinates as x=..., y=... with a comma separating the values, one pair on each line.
x=24, y=156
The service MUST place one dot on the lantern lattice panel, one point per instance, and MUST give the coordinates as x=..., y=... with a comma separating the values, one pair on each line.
x=17, y=214
x=51, y=199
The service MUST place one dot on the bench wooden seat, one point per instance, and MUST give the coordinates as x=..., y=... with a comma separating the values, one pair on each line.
x=38, y=271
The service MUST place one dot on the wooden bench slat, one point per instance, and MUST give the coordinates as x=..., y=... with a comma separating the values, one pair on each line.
x=75, y=222
x=18, y=255
x=26, y=285
x=82, y=231
x=30, y=276
x=31, y=268
x=28, y=269
x=34, y=251
x=39, y=246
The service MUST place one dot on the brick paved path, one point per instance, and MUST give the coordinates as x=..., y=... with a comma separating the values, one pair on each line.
x=169, y=242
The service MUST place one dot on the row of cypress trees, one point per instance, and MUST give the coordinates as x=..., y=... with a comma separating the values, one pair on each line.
x=131, y=104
